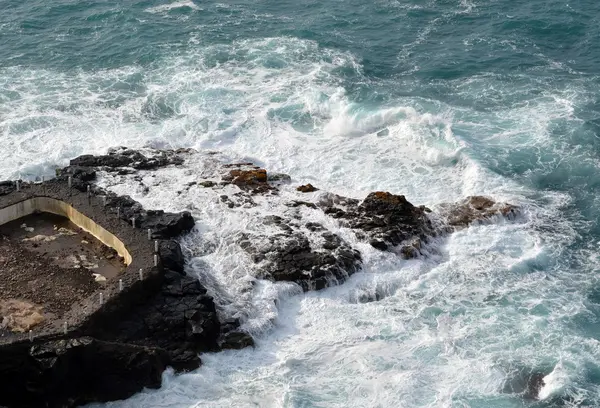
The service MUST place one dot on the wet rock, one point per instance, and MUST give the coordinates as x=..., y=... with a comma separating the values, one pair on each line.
x=83, y=174
x=123, y=157
x=389, y=221
x=236, y=340
x=115, y=160
x=180, y=319
x=314, y=226
x=68, y=373
x=475, y=209
x=378, y=244
x=291, y=256
x=167, y=225
x=384, y=132
x=279, y=178
x=7, y=187
x=207, y=183
x=535, y=383
x=298, y=203
x=526, y=382
x=248, y=177
x=307, y=188
x=330, y=200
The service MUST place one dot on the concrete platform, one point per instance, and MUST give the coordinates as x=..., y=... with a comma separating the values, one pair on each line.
x=46, y=263
x=64, y=255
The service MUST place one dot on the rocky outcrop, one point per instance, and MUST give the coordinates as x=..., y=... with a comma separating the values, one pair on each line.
x=169, y=317
x=123, y=157
x=292, y=256
x=7, y=187
x=179, y=316
x=248, y=178
x=307, y=188
x=475, y=209
x=387, y=221
x=180, y=319
x=74, y=371
x=166, y=319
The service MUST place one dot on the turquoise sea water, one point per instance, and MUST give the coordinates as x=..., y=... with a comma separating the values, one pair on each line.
x=479, y=97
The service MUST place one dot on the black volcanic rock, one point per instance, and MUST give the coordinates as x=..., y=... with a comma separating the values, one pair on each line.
x=168, y=318
x=67, y=373
x=388, y=221
x=7, y=187
x=123, y=157
x=180, y=319
x=113, y=160
x=290, y=256
x=235, y=340
x=171, y=255
x=167, y=225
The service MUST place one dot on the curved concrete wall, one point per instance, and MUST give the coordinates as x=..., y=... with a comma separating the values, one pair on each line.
x=51, y=205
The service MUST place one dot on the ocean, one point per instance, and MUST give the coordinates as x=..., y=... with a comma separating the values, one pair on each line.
x=436, y=100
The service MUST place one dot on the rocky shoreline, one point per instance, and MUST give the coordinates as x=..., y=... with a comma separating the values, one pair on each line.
x=126, y=345
x=166, y=319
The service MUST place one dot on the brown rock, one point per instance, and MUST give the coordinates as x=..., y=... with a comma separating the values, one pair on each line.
x=255, y=176
x=20, y=316
x=475, y=208
x=307, y=188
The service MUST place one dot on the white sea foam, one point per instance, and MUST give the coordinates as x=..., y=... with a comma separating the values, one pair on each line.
x=555, y=382
x=174, y=5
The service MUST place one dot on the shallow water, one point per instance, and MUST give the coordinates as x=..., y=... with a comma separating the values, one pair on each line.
x=478, y=97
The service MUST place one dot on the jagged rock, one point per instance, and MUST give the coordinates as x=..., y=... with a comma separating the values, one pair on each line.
x=290, y=256
x=123, y=157
x=314, y=226
x=307, y=188
x=67, y=373
x=279, y=178
x=180, y=319
x=298, y=203
x=7, y=187
x=389, y=221
x=534, y=385
x=473, y=209
x=527, y=382
x=248, y=177
x=83, y=174
x=167, y=225
x=235, y=340
x=114, y=160
x=171, y=255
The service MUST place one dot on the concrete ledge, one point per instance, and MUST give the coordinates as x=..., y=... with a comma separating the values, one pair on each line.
x=54, y=206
